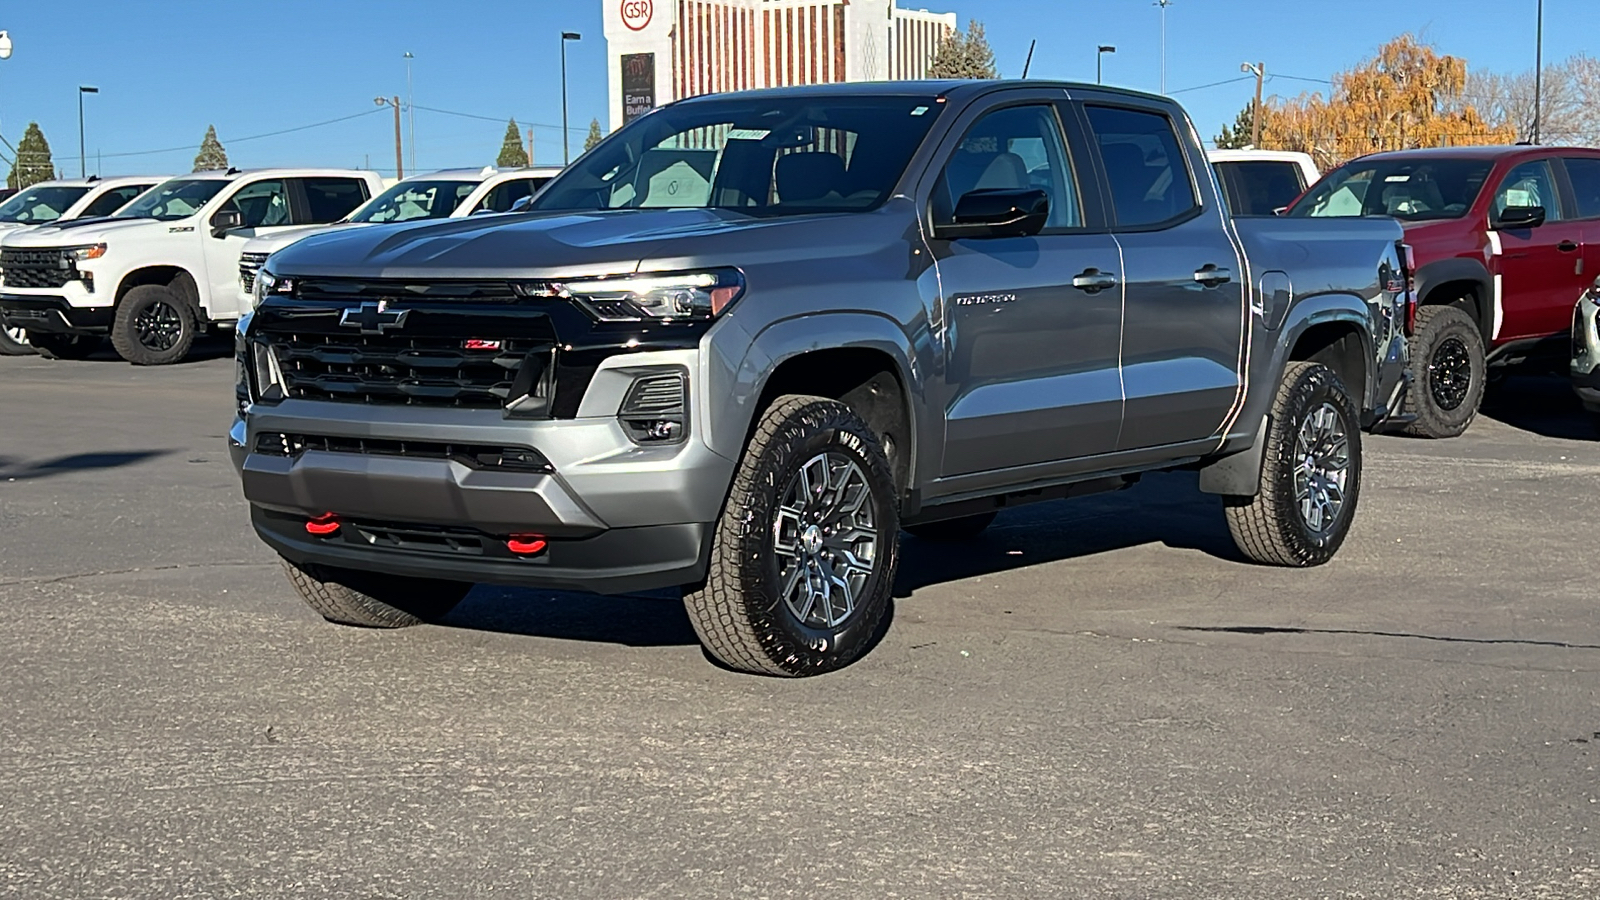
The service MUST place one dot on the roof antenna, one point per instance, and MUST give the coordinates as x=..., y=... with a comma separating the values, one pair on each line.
x=1029, y=63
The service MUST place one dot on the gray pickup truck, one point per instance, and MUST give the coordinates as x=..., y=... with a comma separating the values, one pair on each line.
x=748, y=339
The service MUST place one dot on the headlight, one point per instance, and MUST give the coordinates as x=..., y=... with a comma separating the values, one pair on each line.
x=268, y=284
x=680, y=295
x=86, y=252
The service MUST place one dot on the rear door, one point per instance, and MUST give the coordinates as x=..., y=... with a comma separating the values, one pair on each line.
x=1583, y=175
x=1031, y=370
x=1540, y=268
x=1185, y=312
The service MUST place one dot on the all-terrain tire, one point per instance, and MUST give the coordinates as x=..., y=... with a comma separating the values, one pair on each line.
x=372, y=599
x=14, y=342
x=741, y=612
x=963, y=529
x=64, y=346
x=154, y=326
x=1448, y=373
x=1276, y=526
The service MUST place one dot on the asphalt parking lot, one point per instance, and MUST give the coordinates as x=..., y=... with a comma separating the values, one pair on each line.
x=1097, y=699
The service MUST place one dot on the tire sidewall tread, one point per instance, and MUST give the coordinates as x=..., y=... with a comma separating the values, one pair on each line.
x=1435, y=324
x=126, y=341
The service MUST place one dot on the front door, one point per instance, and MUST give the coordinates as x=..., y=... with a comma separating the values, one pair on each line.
x=1185, y=311
x=264, y=206
x=1031, y=369
x=1540, y=268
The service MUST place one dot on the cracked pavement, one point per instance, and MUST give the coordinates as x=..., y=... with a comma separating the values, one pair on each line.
x=1096, y=699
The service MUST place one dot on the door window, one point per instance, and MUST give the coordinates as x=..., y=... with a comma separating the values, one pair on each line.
x=504, y=194
x=263, y=204
x=1530, y=184
x=1016, y=148
x=113, y=200
x=1144, y=164
x=1584, y=173
x=1256, y=188
x=331, y=199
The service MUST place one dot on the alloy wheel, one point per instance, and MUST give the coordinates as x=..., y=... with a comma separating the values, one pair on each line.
x=16, y=334
x=1322, y=454
x=158, y=326
x=825, y=539
x=1450, y=373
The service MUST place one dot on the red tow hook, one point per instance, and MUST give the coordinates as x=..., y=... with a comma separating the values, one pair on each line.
x=526, y=544
x=323, y=525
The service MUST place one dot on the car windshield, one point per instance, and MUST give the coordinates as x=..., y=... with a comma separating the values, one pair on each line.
x=175, y=199
x=415, y=200
x=40, y=204
x=756, y=154
x=1411, y=188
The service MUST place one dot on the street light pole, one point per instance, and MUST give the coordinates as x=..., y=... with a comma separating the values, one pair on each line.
x=566, y=150
x=82, y=164
x=1163, y=4
x=1259, y=70
x=411, y=112
x=1538, y=71
x=1100, y=55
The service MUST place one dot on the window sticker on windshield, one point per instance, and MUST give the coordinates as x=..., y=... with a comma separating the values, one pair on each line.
x=747, y=134
x=919, y=110
x=1398, y=178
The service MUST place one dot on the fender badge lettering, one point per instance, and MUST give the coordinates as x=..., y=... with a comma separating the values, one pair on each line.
x=983, y=299
x=179, y=228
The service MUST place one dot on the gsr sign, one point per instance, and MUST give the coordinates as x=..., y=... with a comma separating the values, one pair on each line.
x=636, y=13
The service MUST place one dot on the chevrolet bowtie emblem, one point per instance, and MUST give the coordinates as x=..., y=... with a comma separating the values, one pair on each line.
x=373, y=318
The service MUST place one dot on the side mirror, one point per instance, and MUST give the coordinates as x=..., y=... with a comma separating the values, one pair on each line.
x=226, y=220
x=481, y=211
x=998, y=212
x=1515, y=217
x=522, y=203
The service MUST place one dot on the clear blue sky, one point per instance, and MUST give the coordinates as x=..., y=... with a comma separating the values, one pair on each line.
x=167, y=68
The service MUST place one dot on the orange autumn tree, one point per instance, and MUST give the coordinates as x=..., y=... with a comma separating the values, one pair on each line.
x=1407, y=96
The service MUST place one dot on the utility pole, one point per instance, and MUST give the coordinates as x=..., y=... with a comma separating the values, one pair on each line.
x=1163, y=4
x=399, y=160
x=1538, y=71
x=530, y=145
x=1259, y=70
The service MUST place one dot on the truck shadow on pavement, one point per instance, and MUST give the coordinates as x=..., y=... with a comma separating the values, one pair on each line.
x=18, y=470
x=205, y=347
x=1164, y=507
x=1259, y=630
x=1542, y=404
x=656, y=619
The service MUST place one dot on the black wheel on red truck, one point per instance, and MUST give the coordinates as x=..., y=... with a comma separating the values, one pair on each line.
x=1448, y=372
x=373, y=599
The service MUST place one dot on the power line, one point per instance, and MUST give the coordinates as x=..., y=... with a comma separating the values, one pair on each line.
x=1299, y=78
x=1201, y=87
x=253, y=137
x=451, y=112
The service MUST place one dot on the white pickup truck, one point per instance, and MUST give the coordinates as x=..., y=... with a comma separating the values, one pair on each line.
x=164, y=267
x=1261, y=182
x=61, y=201
x=446, y=194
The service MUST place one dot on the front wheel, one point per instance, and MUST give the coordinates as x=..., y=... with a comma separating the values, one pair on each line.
x=372, y=599
x=153, y=326
x=803, y=557
x=1310, y=473
x=1448, y=372
x=14, y=342
x=64, y=346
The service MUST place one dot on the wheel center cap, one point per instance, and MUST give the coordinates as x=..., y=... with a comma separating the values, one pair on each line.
x=811, y=540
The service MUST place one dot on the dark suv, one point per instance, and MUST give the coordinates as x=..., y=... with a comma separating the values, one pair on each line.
x=1506, y=240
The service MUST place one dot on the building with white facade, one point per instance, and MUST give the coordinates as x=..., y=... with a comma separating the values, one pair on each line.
x=659, y=51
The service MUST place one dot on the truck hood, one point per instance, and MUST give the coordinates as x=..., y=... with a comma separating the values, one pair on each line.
x=88, y=231
x=277, y=240
x=576, y=244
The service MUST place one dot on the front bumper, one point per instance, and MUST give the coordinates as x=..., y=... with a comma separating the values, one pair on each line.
x=54, y=314
x=1586, y=353
x=617, y=516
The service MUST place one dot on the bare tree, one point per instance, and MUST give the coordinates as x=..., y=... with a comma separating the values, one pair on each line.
x=1569, y=107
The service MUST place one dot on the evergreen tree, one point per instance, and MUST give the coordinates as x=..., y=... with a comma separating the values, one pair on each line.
x=964, y=55
x=512, y=153
x=1237, y=136
x=211, y=156
x=33, y=163
x=595, y=135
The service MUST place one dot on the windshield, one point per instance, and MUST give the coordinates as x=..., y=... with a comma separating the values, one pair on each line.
x=40, y=204
x=1413, y=188
x=760, y=155
x=415, y=200
x=175, y=199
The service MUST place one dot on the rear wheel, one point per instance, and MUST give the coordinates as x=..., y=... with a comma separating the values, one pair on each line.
x=1310, y=473
x=803, y=557
x=373, y=599
x=153, y=327
x=64, y=346
x=1448, y=372
x=963, y=529
x=14, y=342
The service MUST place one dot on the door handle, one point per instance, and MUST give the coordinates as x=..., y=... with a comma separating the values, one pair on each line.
x=1092, y=280
x=1211, y=276
x=1566, y=246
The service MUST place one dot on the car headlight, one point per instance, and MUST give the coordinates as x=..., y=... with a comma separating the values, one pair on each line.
x=267, y=285
x=671, y=296
x=85, y=252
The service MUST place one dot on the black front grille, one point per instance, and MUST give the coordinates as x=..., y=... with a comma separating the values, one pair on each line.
x=36, y=268
x=249, y=265
x=477, y=456
x=416, y=370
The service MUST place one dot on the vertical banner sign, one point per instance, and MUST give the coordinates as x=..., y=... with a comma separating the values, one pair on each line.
x=638, y=85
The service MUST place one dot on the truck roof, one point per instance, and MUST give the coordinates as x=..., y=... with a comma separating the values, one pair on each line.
x=231, y=174
x=1496, y=152
x=923, y=88
x=97, y=181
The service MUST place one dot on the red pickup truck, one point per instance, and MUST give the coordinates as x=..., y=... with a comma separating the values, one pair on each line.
x=1505, y=241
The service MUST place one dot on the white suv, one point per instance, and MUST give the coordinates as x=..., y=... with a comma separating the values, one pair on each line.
x=449, y=193
x=61, y=201
x=165, y=266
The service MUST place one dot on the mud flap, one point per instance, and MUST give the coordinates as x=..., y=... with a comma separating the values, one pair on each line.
x=1238, y=474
